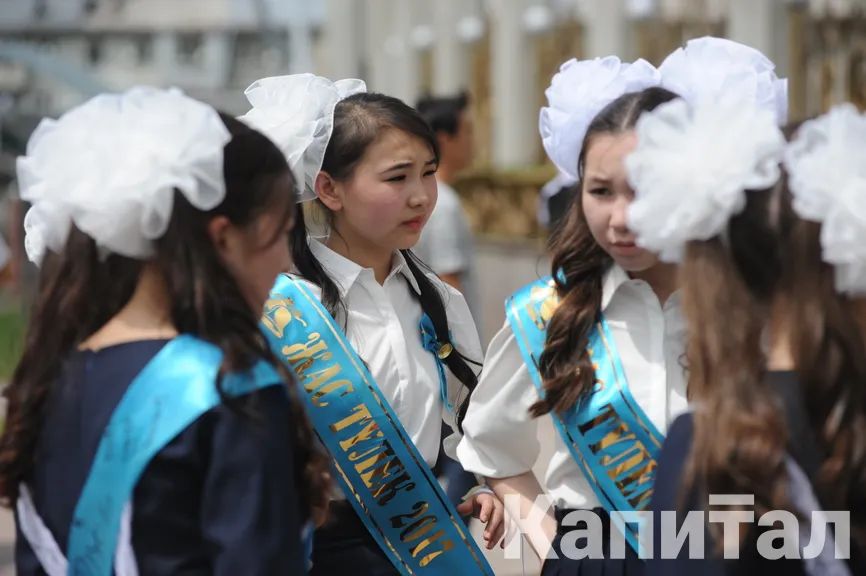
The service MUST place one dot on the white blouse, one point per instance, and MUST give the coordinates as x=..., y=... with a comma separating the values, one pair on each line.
x=501, y=438
x=383, y=327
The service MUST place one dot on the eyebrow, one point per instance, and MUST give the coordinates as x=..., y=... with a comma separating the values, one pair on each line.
x=408, y=164
x=598, y=178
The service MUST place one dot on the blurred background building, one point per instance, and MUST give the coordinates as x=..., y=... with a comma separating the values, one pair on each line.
x=56, y=53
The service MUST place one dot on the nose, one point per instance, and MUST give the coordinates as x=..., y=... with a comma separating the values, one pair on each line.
x=420, y=196
x=619, y=213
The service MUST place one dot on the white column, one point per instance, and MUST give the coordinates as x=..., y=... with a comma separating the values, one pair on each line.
x=405, y=57
x=514, y=113
x=377, y=24
x=341, y=54
x=165, y=56
x=450, y=56
x=217, y=58
x=608, y=30
x=300, y=42
x=761, y=25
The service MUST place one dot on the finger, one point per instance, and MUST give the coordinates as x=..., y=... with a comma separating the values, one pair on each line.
x=497, y=524
x=495, y=528
x=465, y=508
x=487, y=508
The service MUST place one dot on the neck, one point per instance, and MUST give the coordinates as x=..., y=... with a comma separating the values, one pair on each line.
x=147, y=315
x=662, y=278
x=362, y=252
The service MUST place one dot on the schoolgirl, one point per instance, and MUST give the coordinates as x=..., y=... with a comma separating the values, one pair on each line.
x=150, y=429
x=773, y=285
x=372, y=334
x=598, y=346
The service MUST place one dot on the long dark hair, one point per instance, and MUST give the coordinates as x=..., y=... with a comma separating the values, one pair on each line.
x=358, y=120
x=79, y=292
x=769, y=270
x=578, y=264
x=828, y=335
x=728, y=285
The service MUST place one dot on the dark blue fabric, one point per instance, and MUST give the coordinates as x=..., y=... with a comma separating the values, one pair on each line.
x=219, y=499
x=667, y=497
x=631, y=565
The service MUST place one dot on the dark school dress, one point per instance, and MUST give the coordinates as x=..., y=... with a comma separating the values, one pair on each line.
x=219, y=499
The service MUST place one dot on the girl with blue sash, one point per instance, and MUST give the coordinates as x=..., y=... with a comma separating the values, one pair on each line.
x=383, y=349
x=774, y=279
x=609, y=310
x=598, y=346
x=150, y=429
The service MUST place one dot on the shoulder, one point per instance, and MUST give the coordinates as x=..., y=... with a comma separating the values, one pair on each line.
x=284, y=279
x=680, y=434
x=452, y=299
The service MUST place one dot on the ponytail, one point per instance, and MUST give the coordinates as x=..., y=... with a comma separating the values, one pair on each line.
x=432, y=305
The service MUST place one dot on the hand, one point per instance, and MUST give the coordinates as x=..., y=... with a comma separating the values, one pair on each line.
x=487, y=508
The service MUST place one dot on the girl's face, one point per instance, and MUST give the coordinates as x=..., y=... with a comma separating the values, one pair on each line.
x=605, y=198
x=388, y=199
x=256, y=253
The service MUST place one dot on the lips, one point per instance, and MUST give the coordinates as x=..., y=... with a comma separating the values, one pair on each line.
x=414, y=223
x=625, y=249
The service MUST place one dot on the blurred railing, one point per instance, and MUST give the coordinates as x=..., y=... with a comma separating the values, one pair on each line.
x=504, y=204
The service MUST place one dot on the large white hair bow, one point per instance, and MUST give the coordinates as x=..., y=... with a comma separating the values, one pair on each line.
x=577, y=93
x=827, y=178
x=111, y=165
x=297, y=113
x=710, y=68
x=692, y=166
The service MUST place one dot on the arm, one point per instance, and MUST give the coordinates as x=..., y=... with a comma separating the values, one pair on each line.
x=500, y=439
x=250, y=517
x=523, y=509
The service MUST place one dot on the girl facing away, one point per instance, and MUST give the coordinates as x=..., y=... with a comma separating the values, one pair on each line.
x=150, y=429
x=773, y=291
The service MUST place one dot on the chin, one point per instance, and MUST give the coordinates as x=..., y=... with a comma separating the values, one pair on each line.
x=407, y=242
x=638, y=263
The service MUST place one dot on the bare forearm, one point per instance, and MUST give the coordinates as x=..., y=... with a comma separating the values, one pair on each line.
x=527, y=490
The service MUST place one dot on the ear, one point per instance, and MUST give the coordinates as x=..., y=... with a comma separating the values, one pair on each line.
x=329, y=192
x=221, y=233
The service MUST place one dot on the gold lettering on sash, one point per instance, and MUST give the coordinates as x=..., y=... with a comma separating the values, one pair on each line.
x=315, y=348
x=616, y=436
x=632, y=468
x=368, y=431
x=446, y=546
x=605, y=415
x=419, y=526
x=633, y=486
x=328, y=388
x=320, y=377
x=375, y=465
x=543, y=301
x=279, y=313
x=386, y=477
x=301, y=367
x=359, y=412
